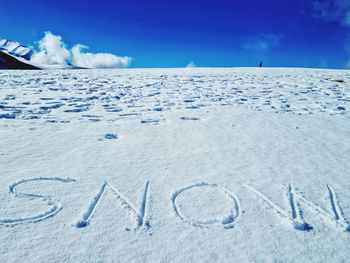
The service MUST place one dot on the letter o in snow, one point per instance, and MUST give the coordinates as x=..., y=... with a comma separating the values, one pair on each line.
x=227, y=220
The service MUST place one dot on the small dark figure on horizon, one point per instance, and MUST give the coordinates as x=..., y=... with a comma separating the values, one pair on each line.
x=260, y=64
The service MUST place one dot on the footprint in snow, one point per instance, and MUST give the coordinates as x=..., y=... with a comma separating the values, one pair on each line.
x=150, y=121
x=190, y=118
x=111, y=136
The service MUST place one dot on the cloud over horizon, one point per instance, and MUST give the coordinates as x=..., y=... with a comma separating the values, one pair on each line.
x=334, y=11
x=53, y=51
x=262, y=42
x=191, y=64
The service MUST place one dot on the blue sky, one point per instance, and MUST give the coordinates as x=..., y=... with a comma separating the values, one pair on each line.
x=211, y=33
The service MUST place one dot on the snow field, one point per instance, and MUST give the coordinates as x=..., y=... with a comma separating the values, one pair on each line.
x=213, y=165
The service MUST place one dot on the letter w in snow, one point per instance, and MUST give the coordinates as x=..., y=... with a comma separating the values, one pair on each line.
x=296, y=218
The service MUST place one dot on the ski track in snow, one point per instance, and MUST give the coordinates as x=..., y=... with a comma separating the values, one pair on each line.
x=296, y=213
x=55, y=96
x=87, y=215
x=338, y=213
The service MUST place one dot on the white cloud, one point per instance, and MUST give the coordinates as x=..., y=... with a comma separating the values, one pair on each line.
x=98, y=60
x=53, y=51
x=333, y=10
x=191, y=65
x=347, y=64
x=262, y=42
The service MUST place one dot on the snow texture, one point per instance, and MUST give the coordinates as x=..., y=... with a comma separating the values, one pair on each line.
x=175, y=165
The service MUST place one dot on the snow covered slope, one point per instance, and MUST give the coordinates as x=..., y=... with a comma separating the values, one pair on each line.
x=175, y=165
x=13, y=55
x=8, y=61
x=15, y=48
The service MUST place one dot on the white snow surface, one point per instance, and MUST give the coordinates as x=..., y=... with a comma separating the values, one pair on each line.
x=175, y=165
